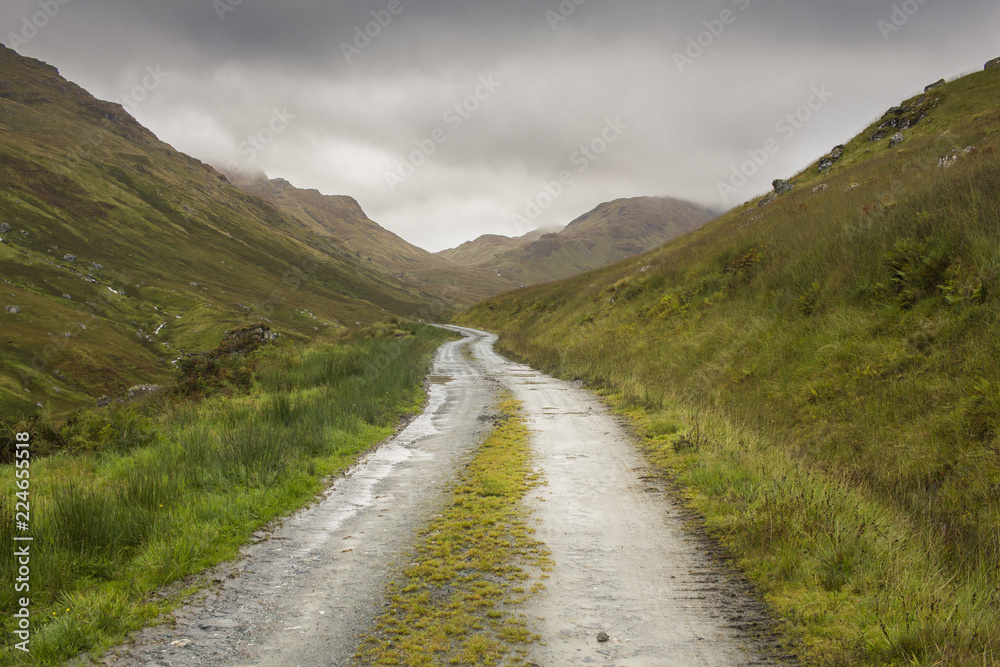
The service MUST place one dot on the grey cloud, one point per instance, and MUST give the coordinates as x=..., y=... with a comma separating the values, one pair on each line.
x=358, y=118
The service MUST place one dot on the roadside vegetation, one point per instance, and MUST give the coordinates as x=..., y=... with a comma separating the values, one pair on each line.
x=136, y=497
x=456, y=603
x=821, y=377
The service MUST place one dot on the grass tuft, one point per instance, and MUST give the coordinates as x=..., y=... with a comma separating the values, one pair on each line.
x=456, y=604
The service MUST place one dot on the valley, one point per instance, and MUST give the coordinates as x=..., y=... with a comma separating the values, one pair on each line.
x=266, y=430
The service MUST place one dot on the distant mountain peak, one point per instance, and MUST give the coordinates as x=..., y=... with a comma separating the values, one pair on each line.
x=610, y=232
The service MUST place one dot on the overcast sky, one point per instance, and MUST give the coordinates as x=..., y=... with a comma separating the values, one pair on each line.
x=449, y=119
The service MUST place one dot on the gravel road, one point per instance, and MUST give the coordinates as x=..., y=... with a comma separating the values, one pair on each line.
x=303, y=594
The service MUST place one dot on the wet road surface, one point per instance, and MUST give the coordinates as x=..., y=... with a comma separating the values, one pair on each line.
x=304, y=594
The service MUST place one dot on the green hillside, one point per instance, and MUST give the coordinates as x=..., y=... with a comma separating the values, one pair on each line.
x=340, y=218
x=119, y=254
x=821, y=376
x=484, y=250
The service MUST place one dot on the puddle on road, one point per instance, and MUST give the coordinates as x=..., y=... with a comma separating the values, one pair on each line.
x=439, y=379
x=355, y=491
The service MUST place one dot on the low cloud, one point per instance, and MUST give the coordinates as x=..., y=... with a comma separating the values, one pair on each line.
x=356, y=119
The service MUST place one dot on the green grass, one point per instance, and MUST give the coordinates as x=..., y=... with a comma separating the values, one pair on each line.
x=188, y=255
x=842, y=347
x=115, y=521
x=457, y=603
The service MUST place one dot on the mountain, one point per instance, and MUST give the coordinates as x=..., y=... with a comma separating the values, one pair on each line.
x=486, y=248
x=818, y=373
x=119, y=254
x=341, y=220
x=611, y=232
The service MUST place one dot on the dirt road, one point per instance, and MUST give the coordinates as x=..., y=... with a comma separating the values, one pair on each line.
x=623, y=566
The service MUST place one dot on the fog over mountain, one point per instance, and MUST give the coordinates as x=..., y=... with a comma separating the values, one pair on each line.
x=448, y=120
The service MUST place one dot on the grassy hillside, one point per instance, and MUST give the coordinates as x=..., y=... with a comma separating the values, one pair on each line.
x=340, y=219
x=821, y=375
x=150, y=493
x=119, y=254
x=485, y=249
x=611, y=232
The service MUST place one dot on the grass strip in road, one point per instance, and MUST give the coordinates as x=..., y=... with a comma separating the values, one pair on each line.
x=457, y=602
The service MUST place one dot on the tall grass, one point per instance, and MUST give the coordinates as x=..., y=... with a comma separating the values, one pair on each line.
x=855, y=335
x=112, y=523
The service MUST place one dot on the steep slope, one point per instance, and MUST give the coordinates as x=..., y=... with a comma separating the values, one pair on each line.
x=119, y=253
x=819, y=371
x=611, y=232
x=341, y=219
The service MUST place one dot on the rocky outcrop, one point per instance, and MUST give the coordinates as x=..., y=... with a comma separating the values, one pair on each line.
x=991, y=64
x=905, y=116
x=142, y=390
x=766, y=201
x=830, y=158
x=937, y=84
x=952, y=157
x=896, y=140
x=4, y=228
x=781, y=186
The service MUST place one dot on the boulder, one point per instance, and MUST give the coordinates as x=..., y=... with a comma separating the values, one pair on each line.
x=104, y=401
x=896, y=140
x=67, y=297
x=950, y=158
x=821, y=187
x=852, y=186
x=827, y=161
x=69, y=258
x=781, y=186
x=13, y=310
x=993, y=63
x=936, y=84
x=906, y=116
x=4, y=228
x=767, y=200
